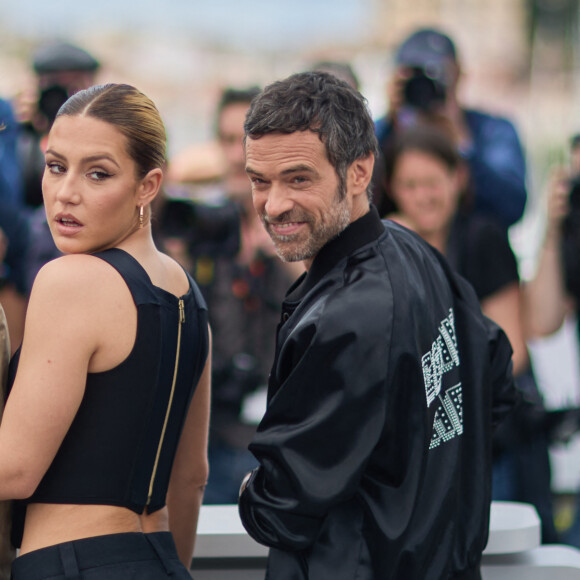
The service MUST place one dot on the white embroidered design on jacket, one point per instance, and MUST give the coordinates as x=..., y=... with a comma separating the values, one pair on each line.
x=448, y=422
x=442, y=358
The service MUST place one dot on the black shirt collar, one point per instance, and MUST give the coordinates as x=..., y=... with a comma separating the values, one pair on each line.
x=357, y=234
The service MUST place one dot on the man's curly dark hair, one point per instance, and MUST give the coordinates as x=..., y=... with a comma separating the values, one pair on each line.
x=321, y=103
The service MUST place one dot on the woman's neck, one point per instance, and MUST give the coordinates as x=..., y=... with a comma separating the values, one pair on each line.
x=437, y=239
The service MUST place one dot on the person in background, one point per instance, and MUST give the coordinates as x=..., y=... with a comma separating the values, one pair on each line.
x=10, y=177
x=427, y=182
x=234, y=262
x=424, y=89
x=341, y=70
x=14, y=228
x=553, y=293
x=14, y=256
x=375, y=449
x=104, y=433
x=7, y=551
x=575, y=155
x=61, y=69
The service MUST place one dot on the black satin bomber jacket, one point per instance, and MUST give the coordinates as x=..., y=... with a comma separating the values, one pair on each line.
x=375, y=449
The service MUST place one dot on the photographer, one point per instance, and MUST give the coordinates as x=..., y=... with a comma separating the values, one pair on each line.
x=61, y=69
x=225, y=247
x=424, y=90
x=554, y=291
x=10, y=186
x=14, y=251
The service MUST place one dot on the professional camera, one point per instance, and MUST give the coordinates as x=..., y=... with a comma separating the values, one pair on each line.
x=51, y=100
x=425, y=89
x=208, y=230
x=575, y=194
x=571, y=241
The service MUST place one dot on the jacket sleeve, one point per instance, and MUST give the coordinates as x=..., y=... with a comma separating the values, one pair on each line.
x=505, y=395
x=479, y=334
x=321, y=425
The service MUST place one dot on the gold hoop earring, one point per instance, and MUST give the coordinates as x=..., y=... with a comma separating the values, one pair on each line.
x=141, y=217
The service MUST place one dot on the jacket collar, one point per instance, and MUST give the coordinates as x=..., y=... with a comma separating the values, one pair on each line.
x=357, y=234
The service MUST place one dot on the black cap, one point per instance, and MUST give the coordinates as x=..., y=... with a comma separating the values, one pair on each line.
x=63, y=56
x=425, y=48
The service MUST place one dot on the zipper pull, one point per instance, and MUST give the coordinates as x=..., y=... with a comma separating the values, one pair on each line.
x=181, y=311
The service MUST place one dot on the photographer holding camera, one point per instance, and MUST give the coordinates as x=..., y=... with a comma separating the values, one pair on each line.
x=61, y=70
x=424, y=90
x=554, y=292
x=225, y=247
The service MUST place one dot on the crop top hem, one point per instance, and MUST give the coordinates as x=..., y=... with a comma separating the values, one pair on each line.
x=136, y=508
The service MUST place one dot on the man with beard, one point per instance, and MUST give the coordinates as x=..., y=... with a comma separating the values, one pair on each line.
x=375, y=449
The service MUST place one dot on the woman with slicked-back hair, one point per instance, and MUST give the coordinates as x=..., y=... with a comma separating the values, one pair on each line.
x=103, y=441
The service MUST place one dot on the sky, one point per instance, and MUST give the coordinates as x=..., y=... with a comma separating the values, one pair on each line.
x=248, y=24
x=153, y=42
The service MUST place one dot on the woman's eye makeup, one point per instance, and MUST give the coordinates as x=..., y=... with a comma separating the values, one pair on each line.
x=98, y=174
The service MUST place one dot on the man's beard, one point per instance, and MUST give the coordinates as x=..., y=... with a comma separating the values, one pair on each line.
x=291, y=249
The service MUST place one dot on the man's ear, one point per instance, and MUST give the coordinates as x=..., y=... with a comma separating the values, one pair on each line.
x=149, y=187
x=360, y=173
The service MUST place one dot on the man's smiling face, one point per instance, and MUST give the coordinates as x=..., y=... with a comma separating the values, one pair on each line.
x=296, y=193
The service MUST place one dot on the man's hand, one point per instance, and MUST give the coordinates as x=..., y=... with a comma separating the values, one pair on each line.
x=245, y=481
x=396, y=91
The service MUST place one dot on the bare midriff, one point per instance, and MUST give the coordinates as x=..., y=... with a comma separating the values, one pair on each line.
x=50, y=524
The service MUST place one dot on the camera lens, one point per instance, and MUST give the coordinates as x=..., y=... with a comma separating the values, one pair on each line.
x=423, y=92
x=51, y=100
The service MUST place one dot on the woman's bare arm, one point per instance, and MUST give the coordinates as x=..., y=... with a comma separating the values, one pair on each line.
x=72, y=301
x=504, y=308
x=190, y=469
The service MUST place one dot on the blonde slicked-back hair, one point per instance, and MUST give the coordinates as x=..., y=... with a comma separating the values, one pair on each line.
x=132, y=113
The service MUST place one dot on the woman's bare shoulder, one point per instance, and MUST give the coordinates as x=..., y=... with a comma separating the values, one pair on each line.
x=75, y=302
x=76, y=278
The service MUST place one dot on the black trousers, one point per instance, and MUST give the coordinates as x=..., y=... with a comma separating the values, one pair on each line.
x=113, y=557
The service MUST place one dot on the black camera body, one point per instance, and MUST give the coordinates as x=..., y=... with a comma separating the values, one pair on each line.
x=208, y=230
x=424, y=90
x=574, y=198
x=51, y=100
x=571, y=241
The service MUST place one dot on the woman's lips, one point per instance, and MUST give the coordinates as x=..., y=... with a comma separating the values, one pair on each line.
x=67, y=224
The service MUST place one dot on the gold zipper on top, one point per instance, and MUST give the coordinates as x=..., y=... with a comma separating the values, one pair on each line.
x=156, y=464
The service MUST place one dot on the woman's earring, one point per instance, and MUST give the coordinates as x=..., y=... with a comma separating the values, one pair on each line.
x=141, y=218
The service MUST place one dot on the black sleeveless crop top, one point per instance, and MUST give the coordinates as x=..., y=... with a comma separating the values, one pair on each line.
x=121, y=445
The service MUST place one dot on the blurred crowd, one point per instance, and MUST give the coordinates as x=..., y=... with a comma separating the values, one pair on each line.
x=454, y=175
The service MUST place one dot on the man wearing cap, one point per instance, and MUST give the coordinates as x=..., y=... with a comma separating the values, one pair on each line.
x=424, y=89
x=62, y=69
